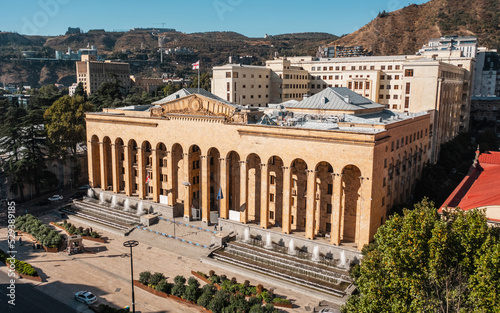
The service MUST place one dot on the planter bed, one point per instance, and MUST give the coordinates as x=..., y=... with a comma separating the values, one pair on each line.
x=47, y=249
x=166, y=295
x=33, y=278
x=101, y=240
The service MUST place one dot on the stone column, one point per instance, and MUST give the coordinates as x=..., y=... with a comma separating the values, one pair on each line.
x=224, y=202
x=243, y=192
x=104, y=166
x=264, y=195
x=115, y=169
x=170, y=180
x=287, y=211
x=142, y=177
x=90, y=163
x=187, y=192
x=155, y=177
x=336, y=209
x=310, y=208
x=205, y=187
x=128, y=170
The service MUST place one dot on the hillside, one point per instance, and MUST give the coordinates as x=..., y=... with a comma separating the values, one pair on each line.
x=141, y=49
x=406, y=30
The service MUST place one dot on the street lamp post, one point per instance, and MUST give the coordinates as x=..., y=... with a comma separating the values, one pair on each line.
x=131, y=244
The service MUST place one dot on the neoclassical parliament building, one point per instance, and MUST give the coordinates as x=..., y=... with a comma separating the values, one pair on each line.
x=329, y=166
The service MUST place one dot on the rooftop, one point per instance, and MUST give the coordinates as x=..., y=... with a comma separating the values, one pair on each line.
x=480, y=188
x=189, y=91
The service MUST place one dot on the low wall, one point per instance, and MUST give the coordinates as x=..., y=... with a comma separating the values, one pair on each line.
x=282, y=239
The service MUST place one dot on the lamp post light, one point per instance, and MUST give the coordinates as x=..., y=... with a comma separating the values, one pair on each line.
x=131, y=244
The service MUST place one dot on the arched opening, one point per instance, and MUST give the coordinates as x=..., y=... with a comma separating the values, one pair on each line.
x=194, y=176
x=177, y=174
x=107, y=164
x=351, y=192
x=233, y=169
x=134, y=172
x=214, y=187
x=324, y=198
x=162, y=172
x=120, y=172
x=253, y=189
x=275, y=190
x=96, y=162
x=299, y=194
x=146, y=170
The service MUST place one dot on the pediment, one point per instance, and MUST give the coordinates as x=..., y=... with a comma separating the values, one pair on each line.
x=196, y=105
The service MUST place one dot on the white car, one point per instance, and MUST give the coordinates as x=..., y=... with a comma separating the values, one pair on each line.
x=56, y=198
x=85, y=297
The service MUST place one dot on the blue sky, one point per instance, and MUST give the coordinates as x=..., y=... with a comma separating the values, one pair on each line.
x=251, y=18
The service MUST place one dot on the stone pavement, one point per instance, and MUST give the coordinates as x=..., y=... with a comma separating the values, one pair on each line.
x=105, y=268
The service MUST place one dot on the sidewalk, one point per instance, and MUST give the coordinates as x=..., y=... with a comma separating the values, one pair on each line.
x=105, y=268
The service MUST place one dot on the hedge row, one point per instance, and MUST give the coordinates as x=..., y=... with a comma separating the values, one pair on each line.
x=220, y=301
x=21, y=266
x=72, y=230
x=43, y=233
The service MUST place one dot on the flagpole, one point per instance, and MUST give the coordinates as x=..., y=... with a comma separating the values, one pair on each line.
x=198, y=76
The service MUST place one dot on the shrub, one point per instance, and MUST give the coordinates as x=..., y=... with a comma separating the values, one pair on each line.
x=95, y=235
x=204, y=300
x=164, y=286
x=178, y=290
x=281, y=301
x=193, y=282
x=155, y=279
x=25, y=268
x=246, y=283
x=259, y=289
x=144, y=277
x=223, y=278
x=79, y=231
x=201, y=274
x=191, y=293
x=65, y=222
x=234, y=281
x=270, y=294
x=211, y=273
x=179, y=280
x=86, y=232
x=252, y=290
x=219, y=301
x=71, y=230
x=254, y=300
x=214, y=279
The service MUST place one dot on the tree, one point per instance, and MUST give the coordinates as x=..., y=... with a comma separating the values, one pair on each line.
x=108, y=95
x=79, y=90
x=65, y=126
x=425, y=262
x=204, y=81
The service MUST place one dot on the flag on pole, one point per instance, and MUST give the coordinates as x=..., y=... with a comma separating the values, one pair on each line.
x=147, y=179
x=219, y=195
x=196, y=66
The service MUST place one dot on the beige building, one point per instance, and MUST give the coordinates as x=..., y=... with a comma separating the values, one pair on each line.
x=401, y=83
x=257, y=86
x=329, y=166
x=92, y=73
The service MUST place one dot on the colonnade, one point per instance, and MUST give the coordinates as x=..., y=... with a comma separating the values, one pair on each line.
x=295, y=196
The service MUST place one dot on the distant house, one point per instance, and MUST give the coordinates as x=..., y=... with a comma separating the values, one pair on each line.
x=480, y=188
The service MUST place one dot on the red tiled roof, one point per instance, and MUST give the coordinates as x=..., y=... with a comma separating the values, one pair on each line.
x=481, y=187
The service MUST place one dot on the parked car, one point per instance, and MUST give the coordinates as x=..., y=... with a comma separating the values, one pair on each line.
x=85, y=297
x=56, y=198
x=84, y=187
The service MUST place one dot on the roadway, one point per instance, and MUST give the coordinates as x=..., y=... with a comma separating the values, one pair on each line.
x=29, y=299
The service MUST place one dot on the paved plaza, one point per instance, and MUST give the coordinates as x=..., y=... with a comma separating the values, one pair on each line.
x=104, y=269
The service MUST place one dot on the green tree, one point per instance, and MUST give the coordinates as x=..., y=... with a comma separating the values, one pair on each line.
x=204, y=81
x=108, y=95
x=65, y=126
x=425, y=262
x=80, y=91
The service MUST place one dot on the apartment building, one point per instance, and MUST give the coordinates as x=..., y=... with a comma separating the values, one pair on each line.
x=92, y=73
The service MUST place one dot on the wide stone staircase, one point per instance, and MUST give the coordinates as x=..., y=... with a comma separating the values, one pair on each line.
x=102, y=214
x=322, y=277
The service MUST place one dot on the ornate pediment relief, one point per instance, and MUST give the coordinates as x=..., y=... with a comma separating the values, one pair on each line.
x=195, y=105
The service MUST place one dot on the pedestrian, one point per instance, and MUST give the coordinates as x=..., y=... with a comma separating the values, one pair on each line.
x=215, y=227
x=20, y=240
x=91, y=231
x=33, y=245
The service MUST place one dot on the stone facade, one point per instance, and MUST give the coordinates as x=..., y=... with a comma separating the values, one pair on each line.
x=92, y=73
x=202, y=153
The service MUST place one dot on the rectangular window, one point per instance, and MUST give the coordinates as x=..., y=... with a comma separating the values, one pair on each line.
x=395, y=97
x=409, y=73
x=330, y=68
x=398, y=67
x=271, y=197
x=328, y=227
x=349, y=85
x=353, y=68
x=388, y=86
x=396, y=77
x=228, y=74
x=396, y=87
x=407, y=102
x=384, y=182
x=381, y=96
x=394, y=106
x=343, y=68
x=385, y=163
x=372, y=67
x=328, y=208
x=381, y=86
x=389, y=67
x=388, y=97
x=272, y=180
x=330, y=189
x=228, y=86
x=235, y=75
x=271, y=215
x=382, y=77
x=367, y=85
x=408, y=85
